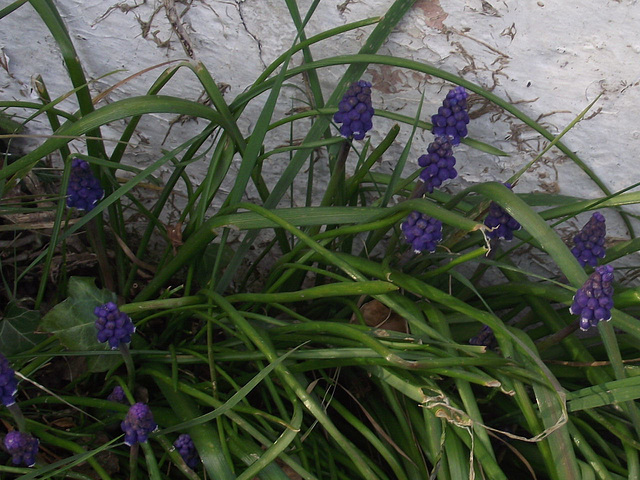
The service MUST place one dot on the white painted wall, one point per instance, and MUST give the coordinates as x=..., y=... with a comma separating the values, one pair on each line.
x=551, y=57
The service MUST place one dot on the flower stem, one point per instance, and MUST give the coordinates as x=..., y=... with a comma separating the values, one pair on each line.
x=18, y=416
x=96, y=238
x=335, y=189
x=133, y=462
x=131, y=369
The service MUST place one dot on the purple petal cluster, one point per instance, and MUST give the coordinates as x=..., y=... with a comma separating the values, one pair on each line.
x=138, y=424
x=438, y=164
x=594, y=300
x=22, y=447
x=422, y=232
x=502, y=224
x=8, y=382
x=187, y=450
x=589, y=242
x=355, y=111
x=84, y=190
x=485, y=338
x=117, y=395
x=113, y=325
x=452, y=117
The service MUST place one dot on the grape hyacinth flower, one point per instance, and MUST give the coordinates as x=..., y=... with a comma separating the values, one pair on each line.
x=485, y=338
x=22, y=447
x=589, y=242
x=8, y=382
x=355, y=111
x=113, y=325
x=452, y=117
x=138, y=424
x=117, y=395
x=594, y=300
x=84, y=190
x=422, y=232
x=438, y=164
x=187, y=450
x=502, y=224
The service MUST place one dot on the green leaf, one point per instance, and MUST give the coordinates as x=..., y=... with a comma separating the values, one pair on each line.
x=204, y=266
x=17, y=330
x=73, y=322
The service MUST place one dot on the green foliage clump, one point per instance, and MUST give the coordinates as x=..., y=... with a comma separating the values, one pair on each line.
x=348, y=356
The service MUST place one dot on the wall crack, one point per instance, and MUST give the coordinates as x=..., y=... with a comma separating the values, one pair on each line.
x=239, y=4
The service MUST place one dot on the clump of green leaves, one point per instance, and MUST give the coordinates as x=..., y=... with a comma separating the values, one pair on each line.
x=348, y=355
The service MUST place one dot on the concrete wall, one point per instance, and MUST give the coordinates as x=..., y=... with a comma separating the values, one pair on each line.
x=550, y=57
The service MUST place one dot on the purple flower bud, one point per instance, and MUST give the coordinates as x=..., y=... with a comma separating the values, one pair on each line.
x=594, y=300
x=84, y=190
x=452, y=118
x=589, y=242
x=8, y=382
x=485, y=338
x=113, y=325
x=117, y=395
x=422, y=232
x=502, y=224
x=138, y=424
x=438, y=164
x=355, y=111
x=187, y=450
x=22, y=447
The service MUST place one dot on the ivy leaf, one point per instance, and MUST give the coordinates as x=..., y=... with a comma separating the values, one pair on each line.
x=73, y=322
x=17, y=330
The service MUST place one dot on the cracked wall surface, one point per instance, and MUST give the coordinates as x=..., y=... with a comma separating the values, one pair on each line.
x=550, y=58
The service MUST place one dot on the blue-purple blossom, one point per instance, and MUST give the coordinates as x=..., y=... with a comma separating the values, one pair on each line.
x=485, y=338
x=452, y=117
x=8, y=382
x=589, y=242
x=117, y=395
x=438, y=164
x=422, y=232
x=22, y=447
x=501, y=224
x=138, y=424
x=187, y=450
x=355, y=111
x=594, y=300
x=84, y=190
x=113, y=325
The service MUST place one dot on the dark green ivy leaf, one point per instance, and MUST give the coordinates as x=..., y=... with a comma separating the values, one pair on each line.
x=17, y=330
x=73, y=322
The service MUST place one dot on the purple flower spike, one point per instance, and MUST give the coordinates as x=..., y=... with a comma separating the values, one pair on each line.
x=117, y=395
x=84, y=190
x=138, y=424
x=502, y=224
x=22, y=447
x=589, y=242
x=113, y=325
x=452, y=117
x=594, y=300
x=187, y=450
x=438, y=164
x=485, y=338
x=355, y=111
x=422, y=232
x=8, y=382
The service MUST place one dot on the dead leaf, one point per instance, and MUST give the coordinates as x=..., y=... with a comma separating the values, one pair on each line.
x=378, y=315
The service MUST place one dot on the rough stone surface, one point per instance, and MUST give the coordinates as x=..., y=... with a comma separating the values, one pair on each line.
x=549, y=58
